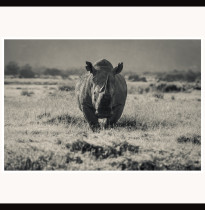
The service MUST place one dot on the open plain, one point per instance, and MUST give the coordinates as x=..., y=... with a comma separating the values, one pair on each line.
x=45, y=130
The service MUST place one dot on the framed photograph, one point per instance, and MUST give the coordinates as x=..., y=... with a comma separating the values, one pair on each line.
x=104, y=110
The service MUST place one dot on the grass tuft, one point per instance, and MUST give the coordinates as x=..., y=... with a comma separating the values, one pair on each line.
x=27, y=93
x=102, y=152
x=195, y=139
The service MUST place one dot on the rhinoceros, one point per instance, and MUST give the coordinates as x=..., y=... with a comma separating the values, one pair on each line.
x=101, y=93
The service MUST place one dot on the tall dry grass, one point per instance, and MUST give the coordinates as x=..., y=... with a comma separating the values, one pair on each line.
x=46, y=131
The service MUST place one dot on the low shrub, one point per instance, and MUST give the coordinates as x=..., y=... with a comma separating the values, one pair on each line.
x=195, y=139
x=135, y=77
x=158, y=95
x=26, y=93
x=66, y=88
x=176, y=75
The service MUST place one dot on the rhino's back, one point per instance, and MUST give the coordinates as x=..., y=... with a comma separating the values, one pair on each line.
x=120, y=90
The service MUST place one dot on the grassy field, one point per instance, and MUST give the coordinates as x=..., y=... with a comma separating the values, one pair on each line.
x=44, y=130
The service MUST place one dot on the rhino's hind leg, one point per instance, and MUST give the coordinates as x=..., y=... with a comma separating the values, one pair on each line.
x=117, y=112
x=91, y=118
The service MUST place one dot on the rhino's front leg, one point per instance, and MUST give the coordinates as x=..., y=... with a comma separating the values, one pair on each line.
x=117, y=112
x=89, y=115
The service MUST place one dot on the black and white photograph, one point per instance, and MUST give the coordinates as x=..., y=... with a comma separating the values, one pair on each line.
x=107, y=104
x=102, y=104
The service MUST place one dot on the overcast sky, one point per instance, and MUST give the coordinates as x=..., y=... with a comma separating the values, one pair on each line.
x=137, y=55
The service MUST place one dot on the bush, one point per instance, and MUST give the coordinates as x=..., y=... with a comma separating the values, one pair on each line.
x=66, y=88
x=158, y=95
x=197, y=86
x=135, y=77
x=164, y=87
x=26, y=72
x=172, y=88
x=188, y=76
x=27, y=93
x=195, y=139
x=53, y=72
x=12, y=68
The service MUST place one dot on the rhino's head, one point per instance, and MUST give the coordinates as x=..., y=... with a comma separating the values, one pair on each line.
x=103, y=86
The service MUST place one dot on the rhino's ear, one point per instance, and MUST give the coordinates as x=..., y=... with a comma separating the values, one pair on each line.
x=118, y=68
x=90, y=68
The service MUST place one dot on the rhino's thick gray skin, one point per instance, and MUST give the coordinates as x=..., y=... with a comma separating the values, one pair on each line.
x=101, y=93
